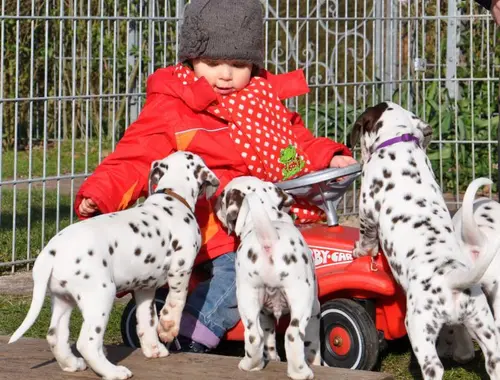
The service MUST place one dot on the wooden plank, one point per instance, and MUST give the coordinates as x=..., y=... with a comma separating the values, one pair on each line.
x=31, y=358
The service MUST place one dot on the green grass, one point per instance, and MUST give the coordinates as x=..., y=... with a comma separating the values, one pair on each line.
x=33, y=213
x=397, y=360
x=13, y=309
x=84, y=158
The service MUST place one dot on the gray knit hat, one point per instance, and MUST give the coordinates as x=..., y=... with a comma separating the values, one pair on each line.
x=223, y=29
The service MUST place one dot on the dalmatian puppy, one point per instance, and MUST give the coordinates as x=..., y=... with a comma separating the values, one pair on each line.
x=274, y=275
x=403, y=211
x=476, y=223
x=139, y=249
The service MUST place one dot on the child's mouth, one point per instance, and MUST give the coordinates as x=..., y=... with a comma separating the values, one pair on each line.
x=224, y=90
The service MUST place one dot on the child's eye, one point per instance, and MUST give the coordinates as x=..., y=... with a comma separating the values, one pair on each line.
x=212, y=63
x=241, y=65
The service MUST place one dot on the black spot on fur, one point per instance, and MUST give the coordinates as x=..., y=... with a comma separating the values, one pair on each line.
x=306, y=260
x=390, y=186
x=52, y=252
x=252, y=256
x=283, y=275
x=137, y=251
x=421, y=202
x=134, y=227
x=176, y=246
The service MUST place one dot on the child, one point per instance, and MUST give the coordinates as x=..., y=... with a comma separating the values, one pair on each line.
x=214, y=105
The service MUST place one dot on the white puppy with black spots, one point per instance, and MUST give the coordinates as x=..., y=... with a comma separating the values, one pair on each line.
x=274, y=276
x=139, y=250
x=476, y=223
x=403, y=210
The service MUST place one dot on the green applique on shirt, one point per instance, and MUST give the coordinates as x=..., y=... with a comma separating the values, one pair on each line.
x=293, y=163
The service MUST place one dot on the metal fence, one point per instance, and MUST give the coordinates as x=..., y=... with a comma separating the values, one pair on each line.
x=73, y=76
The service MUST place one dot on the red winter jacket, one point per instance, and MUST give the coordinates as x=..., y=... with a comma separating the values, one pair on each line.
x=174, y=118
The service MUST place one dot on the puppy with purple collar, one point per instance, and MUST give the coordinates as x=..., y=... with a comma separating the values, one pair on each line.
x=402, y=210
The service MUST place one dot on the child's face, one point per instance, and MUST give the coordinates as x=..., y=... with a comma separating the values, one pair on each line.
x=225, y=77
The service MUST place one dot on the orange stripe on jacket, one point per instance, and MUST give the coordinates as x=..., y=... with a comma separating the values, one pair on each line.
x=184, y=139
x=127, y=197
x=209, y=230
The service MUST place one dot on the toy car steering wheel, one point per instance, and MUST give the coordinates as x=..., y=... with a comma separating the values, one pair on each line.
x=323, y=188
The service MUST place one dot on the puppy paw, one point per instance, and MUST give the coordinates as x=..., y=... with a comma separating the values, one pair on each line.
x=360, y=251
x=74, y=364
x=154, y=350
x=167, y=330
x=302, y=374
x=118, y=373
x=247, y=364
x=274, y=357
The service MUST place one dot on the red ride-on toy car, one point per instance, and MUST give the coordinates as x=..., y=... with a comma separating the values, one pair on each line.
x=361, y=304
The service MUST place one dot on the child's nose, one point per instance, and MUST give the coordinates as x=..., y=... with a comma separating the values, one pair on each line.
x=226, y=72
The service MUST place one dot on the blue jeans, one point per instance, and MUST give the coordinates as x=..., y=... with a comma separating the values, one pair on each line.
x=212, y=309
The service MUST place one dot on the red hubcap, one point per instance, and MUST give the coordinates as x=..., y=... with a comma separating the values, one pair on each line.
x=340, y=341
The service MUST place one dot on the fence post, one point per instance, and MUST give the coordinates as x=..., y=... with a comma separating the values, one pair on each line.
x=378, y=11
x=385, y=46
x=498, y=146
x=452, y=51
x=391, y=50
x=179, y=14
x=133, y=40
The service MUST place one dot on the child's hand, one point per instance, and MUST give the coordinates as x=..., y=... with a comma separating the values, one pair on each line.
x=342, y=161
x=87, y=207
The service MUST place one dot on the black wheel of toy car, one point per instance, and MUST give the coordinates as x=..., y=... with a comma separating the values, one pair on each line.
x=128, y=321
x=349, y=338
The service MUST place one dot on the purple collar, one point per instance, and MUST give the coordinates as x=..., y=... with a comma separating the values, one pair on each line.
x=403, y=138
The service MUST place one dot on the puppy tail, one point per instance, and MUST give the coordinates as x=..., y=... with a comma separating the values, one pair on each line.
x=461, y=279
x=263, y=227
x=42, y=270
x=471, y=234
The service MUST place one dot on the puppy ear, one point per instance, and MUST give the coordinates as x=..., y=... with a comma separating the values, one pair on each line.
x=368, y=122
x=155, y=175
x=426, y=132
x=243, y=212
x=207, y=181
x=233, y=202
x=355, y=134
x=286, y=199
